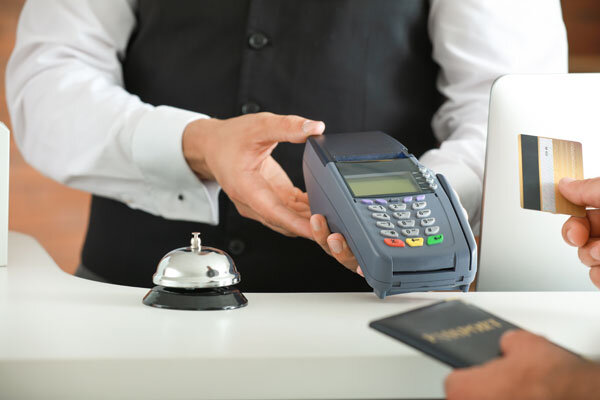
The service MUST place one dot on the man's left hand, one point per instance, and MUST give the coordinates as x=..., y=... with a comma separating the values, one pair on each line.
x=531, y=368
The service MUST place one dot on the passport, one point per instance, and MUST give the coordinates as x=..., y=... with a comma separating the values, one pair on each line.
x=454, y=332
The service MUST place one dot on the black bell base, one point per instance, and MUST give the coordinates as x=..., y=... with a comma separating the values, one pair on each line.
x=223, y=298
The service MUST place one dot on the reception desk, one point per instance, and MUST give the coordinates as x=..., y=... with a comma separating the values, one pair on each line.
x=68, y=338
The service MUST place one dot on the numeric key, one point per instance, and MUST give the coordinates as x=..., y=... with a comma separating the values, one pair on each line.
x=410, y=232
x=381, y=216
x=385, y=224
x=419, y=205
x=427, y=221
x=407, y=223
x=432, y=230
x=423, y=213
x=398, y=207
x=389, y=233
x=402, y=215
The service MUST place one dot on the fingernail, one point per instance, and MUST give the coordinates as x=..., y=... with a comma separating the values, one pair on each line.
x=570, y=237
x=335, y=246
x=315, y=224
x=359, y=271
x=566, y=181
x=313, y=126
x=595, y=252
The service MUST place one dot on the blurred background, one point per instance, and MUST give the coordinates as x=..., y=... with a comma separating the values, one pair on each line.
x=57, y=215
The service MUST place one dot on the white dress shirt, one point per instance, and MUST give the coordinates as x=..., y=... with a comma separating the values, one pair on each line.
x=74, y=121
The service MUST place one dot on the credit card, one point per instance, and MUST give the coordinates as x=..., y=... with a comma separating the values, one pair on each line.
x=543, y=162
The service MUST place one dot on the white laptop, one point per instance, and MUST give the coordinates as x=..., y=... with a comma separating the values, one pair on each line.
x=523, y=250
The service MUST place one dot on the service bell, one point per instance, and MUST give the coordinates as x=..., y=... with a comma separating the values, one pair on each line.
x=196, y=278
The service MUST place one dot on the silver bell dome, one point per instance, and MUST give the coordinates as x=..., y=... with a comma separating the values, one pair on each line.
x=196, y=267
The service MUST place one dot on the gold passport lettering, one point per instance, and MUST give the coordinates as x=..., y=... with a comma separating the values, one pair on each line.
x=462, y=331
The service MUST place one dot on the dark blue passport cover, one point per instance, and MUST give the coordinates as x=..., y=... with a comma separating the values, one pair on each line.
x=456, y=333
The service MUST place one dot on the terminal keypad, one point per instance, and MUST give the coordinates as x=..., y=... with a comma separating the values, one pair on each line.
x=408, y=214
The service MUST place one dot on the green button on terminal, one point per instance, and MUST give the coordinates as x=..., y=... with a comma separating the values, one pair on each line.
x=437, y=239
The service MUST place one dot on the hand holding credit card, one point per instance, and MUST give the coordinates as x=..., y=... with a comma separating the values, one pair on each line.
x=543, y=162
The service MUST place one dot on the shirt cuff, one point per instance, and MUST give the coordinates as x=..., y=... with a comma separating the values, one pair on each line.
x=464, y=181
x=174, y=191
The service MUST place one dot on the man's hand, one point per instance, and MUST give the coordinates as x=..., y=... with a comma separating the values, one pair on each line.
x=584, y=233
x=236, y=153
x=531, y=368
x=334, y=244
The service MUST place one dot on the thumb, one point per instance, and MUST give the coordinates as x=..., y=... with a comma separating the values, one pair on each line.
x=290, y=128
x=584, y=192
x=516, y=340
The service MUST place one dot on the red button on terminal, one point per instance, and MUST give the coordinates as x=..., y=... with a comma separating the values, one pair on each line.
x=394, y=242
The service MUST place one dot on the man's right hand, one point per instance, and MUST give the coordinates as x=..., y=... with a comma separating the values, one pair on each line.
x=584, y=233
x=236, y=152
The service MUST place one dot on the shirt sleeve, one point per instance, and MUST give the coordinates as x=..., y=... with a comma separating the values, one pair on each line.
x=474, y=43
x=74, y=121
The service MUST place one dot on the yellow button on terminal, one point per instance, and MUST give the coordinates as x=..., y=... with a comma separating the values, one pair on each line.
x=414, y=242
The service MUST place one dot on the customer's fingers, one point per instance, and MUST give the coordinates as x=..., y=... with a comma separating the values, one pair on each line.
x=595, y=276
x=584, y=192
x=576, y=231
x=593, y=217
x=590, y=253
x=517, y=341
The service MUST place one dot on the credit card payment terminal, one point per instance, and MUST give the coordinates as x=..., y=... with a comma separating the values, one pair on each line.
x=403, y=223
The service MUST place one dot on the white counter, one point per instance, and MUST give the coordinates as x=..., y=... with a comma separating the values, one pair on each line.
x=63, y=337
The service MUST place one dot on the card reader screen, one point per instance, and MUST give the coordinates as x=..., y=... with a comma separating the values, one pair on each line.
x=382, y=185
x=379, y=178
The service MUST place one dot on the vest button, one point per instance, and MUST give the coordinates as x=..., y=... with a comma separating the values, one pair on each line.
x=250, y=108
x=258, y=40
x=236, y=247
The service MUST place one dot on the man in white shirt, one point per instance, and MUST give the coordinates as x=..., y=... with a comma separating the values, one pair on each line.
x=531, y=367
x=114, y=97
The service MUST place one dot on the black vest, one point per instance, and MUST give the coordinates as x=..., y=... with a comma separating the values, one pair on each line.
x=357, y=65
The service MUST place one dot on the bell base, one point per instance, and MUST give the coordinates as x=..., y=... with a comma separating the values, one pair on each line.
x=222, y=298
